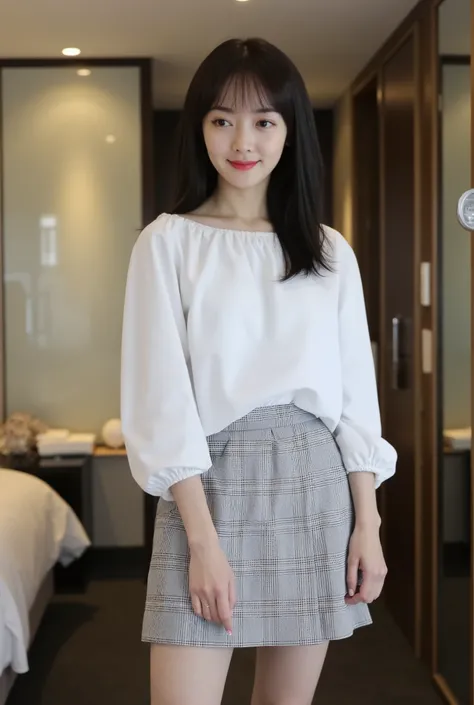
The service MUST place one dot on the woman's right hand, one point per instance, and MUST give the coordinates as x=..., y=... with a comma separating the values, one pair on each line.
x=212, y=584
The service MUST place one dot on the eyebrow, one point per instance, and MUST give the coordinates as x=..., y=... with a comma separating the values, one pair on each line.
x=224, y=109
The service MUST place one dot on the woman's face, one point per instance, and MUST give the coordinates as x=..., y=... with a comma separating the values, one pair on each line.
x=244, y=141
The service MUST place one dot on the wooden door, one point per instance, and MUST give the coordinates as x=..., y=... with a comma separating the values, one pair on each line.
x=399, y=376
x=366, y=208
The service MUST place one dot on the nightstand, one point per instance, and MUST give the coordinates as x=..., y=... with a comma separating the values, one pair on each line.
x=71, y=478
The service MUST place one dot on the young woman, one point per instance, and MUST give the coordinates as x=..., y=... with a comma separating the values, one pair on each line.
x=249, y=401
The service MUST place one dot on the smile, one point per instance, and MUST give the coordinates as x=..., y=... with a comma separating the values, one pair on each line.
x=243, y=166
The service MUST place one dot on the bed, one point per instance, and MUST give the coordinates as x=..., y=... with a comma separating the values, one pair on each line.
x=37, y=529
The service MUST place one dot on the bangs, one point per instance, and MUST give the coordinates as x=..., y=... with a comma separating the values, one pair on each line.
x=245, y=91
x=244, y=75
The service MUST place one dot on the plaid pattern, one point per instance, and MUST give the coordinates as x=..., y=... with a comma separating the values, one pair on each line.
x=280, y=500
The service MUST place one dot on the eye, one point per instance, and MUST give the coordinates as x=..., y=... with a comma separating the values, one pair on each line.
x=220, y=122
x=265, y=124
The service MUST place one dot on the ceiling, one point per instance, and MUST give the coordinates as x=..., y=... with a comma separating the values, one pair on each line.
x=329, y=40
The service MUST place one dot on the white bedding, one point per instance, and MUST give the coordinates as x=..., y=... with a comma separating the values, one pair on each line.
x=37, y=528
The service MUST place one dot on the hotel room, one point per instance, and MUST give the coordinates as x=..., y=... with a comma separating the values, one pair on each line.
x=90, y=99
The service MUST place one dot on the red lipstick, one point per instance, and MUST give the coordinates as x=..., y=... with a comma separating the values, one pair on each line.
x=243, y=166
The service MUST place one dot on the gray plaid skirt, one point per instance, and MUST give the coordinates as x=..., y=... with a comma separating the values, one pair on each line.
x=280, y=500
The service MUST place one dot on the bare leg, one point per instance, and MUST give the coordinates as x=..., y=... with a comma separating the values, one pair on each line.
x=188, y=675
x=287, y=675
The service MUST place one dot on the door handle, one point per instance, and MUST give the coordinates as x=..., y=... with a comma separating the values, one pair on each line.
x=401, y=353
x=396, y=352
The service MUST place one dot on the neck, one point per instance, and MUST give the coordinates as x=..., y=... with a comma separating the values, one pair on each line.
x=239, y=204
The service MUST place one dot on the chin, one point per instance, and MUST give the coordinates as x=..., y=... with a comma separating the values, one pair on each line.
x=243, y=180
x=243, y=184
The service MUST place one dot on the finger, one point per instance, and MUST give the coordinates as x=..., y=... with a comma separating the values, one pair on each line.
x=352, y=568
x=196, y=603
x=353, y=600
x=370, y=588
x=214, y=615
x=206, y=609
x=367, y=593
x=225, y=612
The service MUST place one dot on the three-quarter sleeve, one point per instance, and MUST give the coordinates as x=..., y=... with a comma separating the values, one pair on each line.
x=163, y=434
x=358, y=433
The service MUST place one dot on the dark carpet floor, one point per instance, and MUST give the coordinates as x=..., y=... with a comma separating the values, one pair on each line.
x=88, y=652
x=454, y=635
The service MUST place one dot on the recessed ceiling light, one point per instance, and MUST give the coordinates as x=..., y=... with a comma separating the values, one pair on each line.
x=71, y=51
x=110, y=139
x=242, y=0
x=84, y=72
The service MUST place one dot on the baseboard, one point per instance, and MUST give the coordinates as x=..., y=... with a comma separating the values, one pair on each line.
x=116, y=563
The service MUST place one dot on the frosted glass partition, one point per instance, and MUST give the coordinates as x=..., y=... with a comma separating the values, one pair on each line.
x=456, y=246
x=71, y=211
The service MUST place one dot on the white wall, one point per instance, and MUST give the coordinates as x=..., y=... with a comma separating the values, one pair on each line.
x=455, y=27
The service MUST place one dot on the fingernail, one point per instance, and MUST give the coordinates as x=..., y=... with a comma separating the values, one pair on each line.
x=351, y=593
x=229, y=633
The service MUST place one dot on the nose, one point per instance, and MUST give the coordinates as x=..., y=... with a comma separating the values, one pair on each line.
x=243, y=141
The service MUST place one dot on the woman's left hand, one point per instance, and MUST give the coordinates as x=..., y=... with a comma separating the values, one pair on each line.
x=366, y=556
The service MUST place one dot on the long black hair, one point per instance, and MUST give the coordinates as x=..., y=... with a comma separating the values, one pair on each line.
x=295, y=190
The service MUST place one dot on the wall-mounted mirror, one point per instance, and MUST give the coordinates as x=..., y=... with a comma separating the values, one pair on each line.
x=454, y=584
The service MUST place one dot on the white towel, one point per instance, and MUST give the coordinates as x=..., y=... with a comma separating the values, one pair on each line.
x=73, y=444
x=458, y=438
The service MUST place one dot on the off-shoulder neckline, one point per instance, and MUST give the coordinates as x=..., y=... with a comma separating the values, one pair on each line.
x=203, y=226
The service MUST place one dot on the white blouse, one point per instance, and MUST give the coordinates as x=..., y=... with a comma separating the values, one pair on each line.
x=210, y=333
